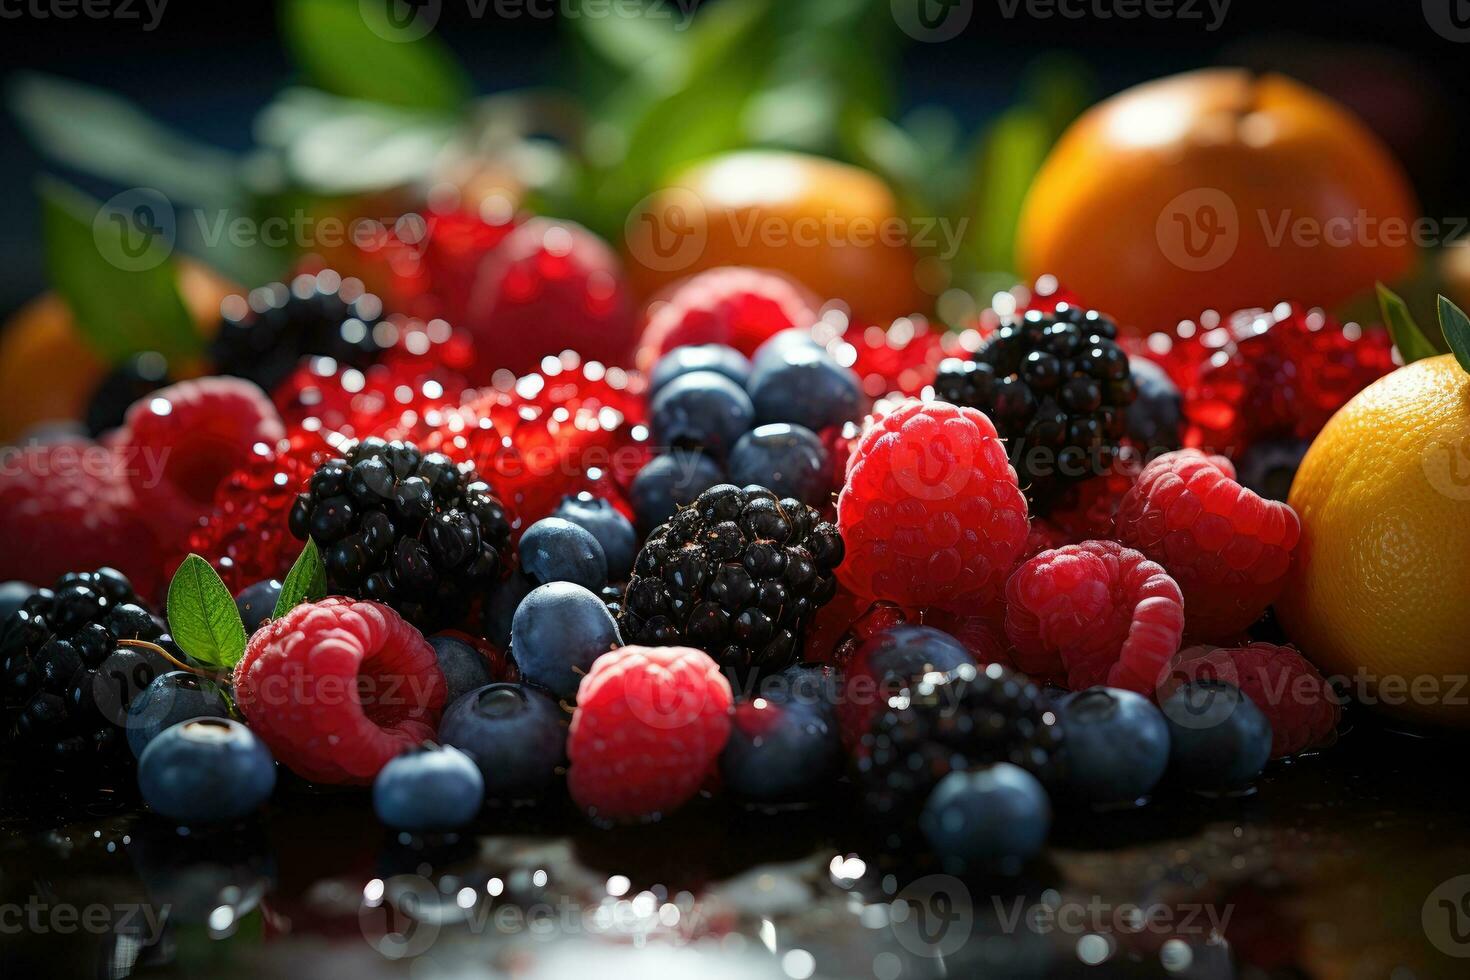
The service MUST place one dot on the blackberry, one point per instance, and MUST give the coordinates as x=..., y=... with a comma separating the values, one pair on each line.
x=960, y=719
x=737, y=573
x=65, y=684
x=410, y=529
x=137, y=376
x=1057, y=386
x=262, y=336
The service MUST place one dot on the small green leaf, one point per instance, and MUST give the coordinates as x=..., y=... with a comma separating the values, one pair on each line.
x=305, y=582
x=203, y=617
x=113, y=267
x=1456, y=327
x=1407, y=337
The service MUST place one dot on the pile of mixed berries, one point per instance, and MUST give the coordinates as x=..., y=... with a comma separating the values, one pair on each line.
x=495, y=537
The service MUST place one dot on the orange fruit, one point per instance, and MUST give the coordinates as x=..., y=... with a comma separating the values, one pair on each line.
x=47, y=371
x=1377, y=593
x=834, y=228
x=1221, y=190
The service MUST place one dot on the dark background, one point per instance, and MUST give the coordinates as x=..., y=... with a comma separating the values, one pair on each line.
x=210, y=66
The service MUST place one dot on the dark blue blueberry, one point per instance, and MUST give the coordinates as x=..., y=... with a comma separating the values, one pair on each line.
x=500, y=607
x=558, y=631
x=1117, y=744
x=699, y=357
x=781, y=750
x=608, y=525
x=900, y=654
x=703, y=410
x=514, y=733
x=669, y=482
x=429, y=789
x=556, y=550
x=788, y=459
x=464, y=667
x=212, y=770
x=171, y=698
x=807, y=387
x=12, y=595
x=992, y=819
x=1269, y=467
x=257, y=602
x=1157, y=414
x=778, y=345
x=1218, y=738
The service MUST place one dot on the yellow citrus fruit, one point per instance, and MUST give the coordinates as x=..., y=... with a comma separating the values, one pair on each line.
x=834, y=228
x=1379, y=594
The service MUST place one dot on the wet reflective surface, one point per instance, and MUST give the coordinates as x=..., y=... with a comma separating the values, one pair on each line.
x=1345, y=864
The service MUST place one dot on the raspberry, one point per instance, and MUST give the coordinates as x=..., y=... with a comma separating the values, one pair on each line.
x=649, y=724
x=736, y=307
x=65, y=505
x=1086, y=511
x=1228, y=549
x=903, y=358
x=550, y=286
x=198, y=432
x=337, y=688
x=455, y=246
x=1095, y=613
x=1301, y=706
x=931, y=513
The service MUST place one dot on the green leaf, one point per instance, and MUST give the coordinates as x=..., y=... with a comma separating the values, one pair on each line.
x=354, y=49
x=1014, y=148
x=1456, y=327
x=305, y=582
x=203, y=617
x=112, y=266
x=1407, y=337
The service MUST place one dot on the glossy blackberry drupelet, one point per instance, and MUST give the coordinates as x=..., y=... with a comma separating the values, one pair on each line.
x=1057, y=386
x=966, y=717
x=263, y=335
x=737, y=574
x=65, y=684
x=405, y=528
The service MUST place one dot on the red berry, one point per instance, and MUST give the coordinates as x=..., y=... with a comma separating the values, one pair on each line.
x=733, y=306
x=1086, y=511
x=1228, y=549
x=931, y=513
x=1094, y=613
x=550, y=286
x=1301, y=706
x=337, y=688
x=649, y=724
x=902, y=359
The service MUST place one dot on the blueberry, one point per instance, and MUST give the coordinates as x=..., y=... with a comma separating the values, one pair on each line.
x=556, y=550
x=558, y=631
x=669, y=482
x=788, y=459
x=429, y=789
x=1156, y=415
x=257, y=602
x=172, y=698
x=1117, y=742
x=1218, y=738
x=500, y=607
x=464, y=667
x=902, y=653
x=699, y=357
x=780, y=749
x=514, y=733
x=1269, y=467
x=778, y=345
x=210, y=770
x=991, y=819
x=807, y=387
x=12, y=594
x=131, y=621
x=608, y=525
x=702, y=410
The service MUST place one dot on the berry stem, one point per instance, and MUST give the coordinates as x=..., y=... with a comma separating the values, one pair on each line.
x=219, y=676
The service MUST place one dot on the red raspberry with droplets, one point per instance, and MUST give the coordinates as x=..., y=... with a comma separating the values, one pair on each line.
x=1301, y=706
x=649, y=724
x=734, y=306
x=550, y=286
x=1228, y=549
x=931, y=513
x=1094, y=613
x=339, y=687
